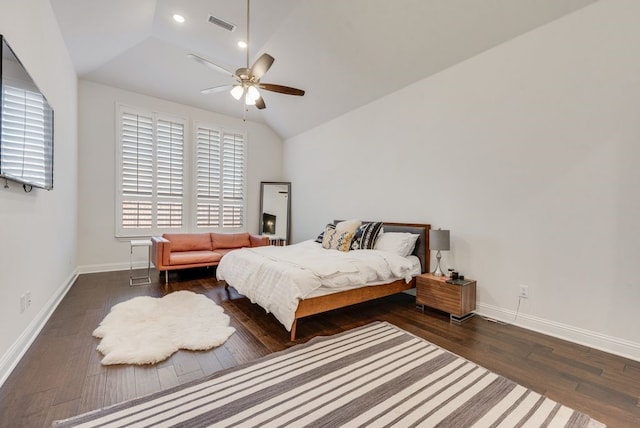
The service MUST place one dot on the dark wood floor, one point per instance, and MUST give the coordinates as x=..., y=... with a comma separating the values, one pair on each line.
x=61, y=375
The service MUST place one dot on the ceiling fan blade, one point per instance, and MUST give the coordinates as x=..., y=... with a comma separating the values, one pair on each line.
x=262, y=65
x=211, y=65
x=260, y=103
x=216, y=89
x=281, y=89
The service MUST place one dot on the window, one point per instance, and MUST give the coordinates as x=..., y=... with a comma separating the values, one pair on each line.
x=220, y=178
x=155, y=194
x=151, y=173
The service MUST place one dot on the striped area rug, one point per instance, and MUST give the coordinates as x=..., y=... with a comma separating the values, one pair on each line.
x=376, y=375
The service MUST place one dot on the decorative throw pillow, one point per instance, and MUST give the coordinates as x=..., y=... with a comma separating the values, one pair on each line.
x=348, y=226
x=335, y=240
x=320, y=237
x=366, y=235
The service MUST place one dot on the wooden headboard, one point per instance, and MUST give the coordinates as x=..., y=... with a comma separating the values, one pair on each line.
x=421, y=249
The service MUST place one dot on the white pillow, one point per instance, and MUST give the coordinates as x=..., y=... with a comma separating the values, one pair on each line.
x=348, y=226
x=400, y=243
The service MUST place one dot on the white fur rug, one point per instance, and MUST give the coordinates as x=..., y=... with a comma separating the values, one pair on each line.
x=146, y=330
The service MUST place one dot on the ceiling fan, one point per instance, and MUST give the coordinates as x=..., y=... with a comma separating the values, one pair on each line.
x=248, y=84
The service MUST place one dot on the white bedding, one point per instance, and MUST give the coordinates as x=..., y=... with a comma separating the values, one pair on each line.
x=276, y=278
x=323, y=291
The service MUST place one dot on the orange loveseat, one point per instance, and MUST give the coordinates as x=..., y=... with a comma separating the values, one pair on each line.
x=174, y=251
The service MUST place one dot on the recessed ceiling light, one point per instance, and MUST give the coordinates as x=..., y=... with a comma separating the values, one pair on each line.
x=242, y=44
x=178, y=18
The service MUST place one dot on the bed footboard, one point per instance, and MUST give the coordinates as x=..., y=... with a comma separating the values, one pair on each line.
x=317, y=305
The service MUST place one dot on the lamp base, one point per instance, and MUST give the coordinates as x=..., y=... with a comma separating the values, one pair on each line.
x=437, y=271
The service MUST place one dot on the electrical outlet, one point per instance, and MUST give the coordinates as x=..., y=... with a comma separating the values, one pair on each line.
x=23, y=303
x=524, y=291
x=28, y=299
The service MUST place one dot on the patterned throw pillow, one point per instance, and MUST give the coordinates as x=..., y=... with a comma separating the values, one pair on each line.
x=366, y=235
x=321, y=236
x=334, y=240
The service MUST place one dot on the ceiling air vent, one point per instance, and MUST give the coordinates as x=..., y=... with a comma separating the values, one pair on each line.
x=221, y=23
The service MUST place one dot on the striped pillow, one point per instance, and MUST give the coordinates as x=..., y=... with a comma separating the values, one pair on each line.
x=366, y=235
x=334, y=240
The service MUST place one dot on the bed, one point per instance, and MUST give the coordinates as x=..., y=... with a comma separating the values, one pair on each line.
x=271, y=278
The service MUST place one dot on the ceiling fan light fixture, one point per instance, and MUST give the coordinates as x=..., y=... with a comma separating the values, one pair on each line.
x=252, y=95
x=237, y=91
x=249, y=101
x=247, y=79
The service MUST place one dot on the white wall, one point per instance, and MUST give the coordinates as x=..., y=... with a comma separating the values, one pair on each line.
x=527, y=153
x=38, y=229
x=98, y=248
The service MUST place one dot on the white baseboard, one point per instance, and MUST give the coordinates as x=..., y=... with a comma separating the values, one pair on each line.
x=12, y=357
x=111, y=267
x=612, y=345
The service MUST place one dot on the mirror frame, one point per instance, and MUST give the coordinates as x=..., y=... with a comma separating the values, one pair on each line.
x=260, y=219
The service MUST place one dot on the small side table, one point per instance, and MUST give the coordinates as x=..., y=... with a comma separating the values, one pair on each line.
x=139, y=280
x=458, y=300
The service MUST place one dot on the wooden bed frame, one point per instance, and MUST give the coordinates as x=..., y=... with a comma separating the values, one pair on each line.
x=317, y=305
x=328, y=302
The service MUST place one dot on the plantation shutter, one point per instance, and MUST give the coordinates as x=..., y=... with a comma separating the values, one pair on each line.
x=151, y=170
x=157, y=194
x=170, y=161
x=137, y=171
x=232, y=181
x=208, y=178
x=26, y=125
x=220, y=179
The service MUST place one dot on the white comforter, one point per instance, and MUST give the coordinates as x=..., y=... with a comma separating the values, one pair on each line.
x=276, y=278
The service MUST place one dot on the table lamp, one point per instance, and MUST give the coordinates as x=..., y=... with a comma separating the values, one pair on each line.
x=438, y=240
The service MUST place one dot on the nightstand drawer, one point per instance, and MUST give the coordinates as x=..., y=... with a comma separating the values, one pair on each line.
x=457, y=300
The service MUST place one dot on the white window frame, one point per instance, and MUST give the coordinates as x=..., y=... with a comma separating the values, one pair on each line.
x=194, y=205
x=155, y=199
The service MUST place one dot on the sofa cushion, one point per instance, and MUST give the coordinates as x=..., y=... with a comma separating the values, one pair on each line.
x=194, y=257
x=224, y=251
x=230, y=240
x=189, y=241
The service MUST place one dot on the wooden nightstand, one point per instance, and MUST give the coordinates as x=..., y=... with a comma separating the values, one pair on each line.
x=458, y=300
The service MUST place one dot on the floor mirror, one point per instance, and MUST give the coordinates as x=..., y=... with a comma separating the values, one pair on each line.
x=275, y=211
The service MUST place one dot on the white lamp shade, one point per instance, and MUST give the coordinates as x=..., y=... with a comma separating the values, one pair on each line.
x=237, y=91
x=252, y=95
x=439, y=239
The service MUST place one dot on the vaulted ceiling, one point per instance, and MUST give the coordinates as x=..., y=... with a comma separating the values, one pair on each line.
x=344, y=53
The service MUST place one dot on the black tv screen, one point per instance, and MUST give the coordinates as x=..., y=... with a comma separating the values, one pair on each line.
x=26, y=125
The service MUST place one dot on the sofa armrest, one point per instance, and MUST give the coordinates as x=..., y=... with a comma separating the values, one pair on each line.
x=258, y=240
x=160, y=251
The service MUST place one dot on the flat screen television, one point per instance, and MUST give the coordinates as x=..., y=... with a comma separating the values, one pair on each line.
x=26, y=125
